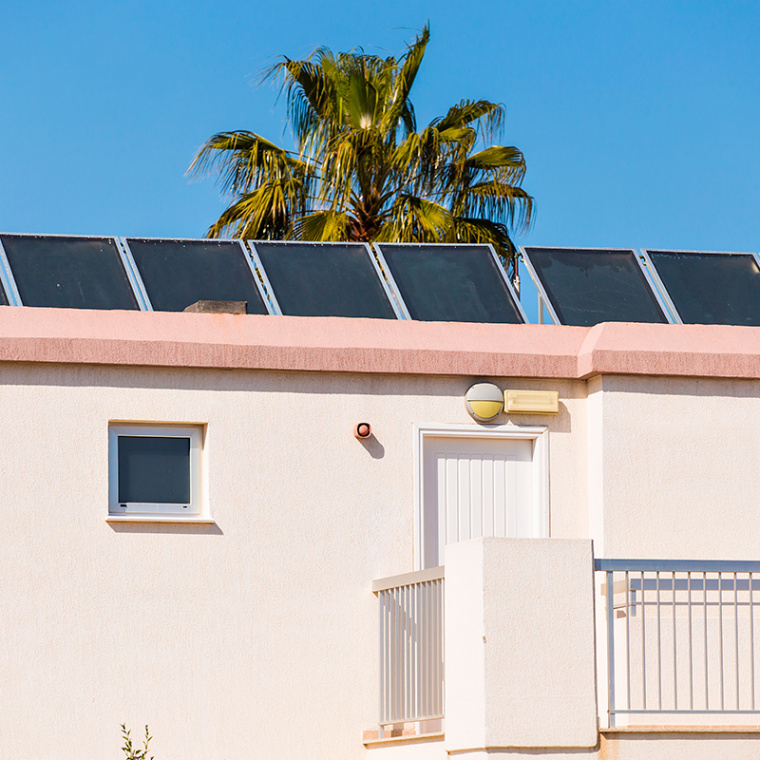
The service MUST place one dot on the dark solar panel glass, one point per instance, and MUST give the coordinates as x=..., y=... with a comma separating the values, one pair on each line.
x=318, y=280
x=586, y=286
x=3, y=297
x=177, y=273
x=69, y=272
x=711, y=288
x=451, y=283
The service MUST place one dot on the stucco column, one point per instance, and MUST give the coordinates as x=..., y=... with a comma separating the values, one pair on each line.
x=519, y=658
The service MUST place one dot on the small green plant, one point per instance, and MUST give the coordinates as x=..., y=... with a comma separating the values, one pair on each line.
x=131, y=752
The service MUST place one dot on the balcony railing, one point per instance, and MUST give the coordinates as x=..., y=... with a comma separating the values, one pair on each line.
x=411, y=646
x=682, y=638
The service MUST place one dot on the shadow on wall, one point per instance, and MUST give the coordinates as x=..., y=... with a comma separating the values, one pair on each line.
x=208, y=529
x=373, y=447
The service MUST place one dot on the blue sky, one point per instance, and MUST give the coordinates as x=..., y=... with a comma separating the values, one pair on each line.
x=638, y=120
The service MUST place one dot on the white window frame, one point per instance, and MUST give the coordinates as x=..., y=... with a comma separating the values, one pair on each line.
x=538, y=434
x=193, y=511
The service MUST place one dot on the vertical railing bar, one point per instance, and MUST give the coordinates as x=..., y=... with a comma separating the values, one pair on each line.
x=381, y=658
x=431, y=653
x=392, y=652
x=691, y=652
x=399, y=707
x=390, y=658
x=720, y=629
x=431, y=637
x=391, y=655
x=428, y=707
x=421, y=675
x=627, y=642
x=411, y=636
x=399, y=652
x=430, y=611
x=659, y=645
x=643, y=646
x=736, y=634
x=704, y=608
x=406, y=633
x=675, y=648
x=434, y=616
x=389, y=648
x=438, y=622
x=408, y=641
x=438, y=649
x=611, y=648
x=752, y=641
x=442, y=692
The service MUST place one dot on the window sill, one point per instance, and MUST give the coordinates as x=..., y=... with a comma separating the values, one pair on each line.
x=184, y=520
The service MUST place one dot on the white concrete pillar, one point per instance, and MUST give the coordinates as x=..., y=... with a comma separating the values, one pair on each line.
x=519, y=658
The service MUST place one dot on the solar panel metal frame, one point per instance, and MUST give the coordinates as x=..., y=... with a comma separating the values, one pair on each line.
x=494, y=255
x=661, y=285
x=138, y=277
x=393, y=298
x=7, y=278
x=9, y=281
x=542, y=291
x=134, y=274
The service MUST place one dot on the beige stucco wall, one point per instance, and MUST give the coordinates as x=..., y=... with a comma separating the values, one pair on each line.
x=256, y=636
x=520, y=664
x=676, y=467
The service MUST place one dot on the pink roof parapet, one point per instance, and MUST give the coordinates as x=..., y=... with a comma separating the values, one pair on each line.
x=318, y=344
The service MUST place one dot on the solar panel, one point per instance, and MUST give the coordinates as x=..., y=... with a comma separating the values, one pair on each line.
x=177, y=273
x=324, y=279
x=68, y=272
x=585, y=286
x=451, y=283
x=709, y=288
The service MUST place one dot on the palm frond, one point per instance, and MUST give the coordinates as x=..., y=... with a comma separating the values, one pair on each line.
x=487, y=115
x=415, y=219
x=321, y=226
x=243, y=160
x=400, y=106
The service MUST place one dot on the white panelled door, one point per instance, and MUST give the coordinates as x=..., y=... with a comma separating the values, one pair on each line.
x=477, y=487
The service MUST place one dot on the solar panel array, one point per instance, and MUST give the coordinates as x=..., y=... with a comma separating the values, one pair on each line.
x=324, y=279
x=585, y=286
x=451, y=283
x=434, y=282
x=709, y=288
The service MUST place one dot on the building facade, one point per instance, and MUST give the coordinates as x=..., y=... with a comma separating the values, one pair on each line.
x=442, y=577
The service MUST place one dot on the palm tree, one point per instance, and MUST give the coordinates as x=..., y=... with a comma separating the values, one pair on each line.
x=361, y=171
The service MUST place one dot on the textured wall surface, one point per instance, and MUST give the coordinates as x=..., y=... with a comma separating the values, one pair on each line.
x=520, y=666
x=252, y=637
x=678, y=467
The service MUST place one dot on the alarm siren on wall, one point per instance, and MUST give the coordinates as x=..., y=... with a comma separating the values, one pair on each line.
x=484, y=401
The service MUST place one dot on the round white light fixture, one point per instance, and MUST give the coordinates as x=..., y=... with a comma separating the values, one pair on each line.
x=484, y=401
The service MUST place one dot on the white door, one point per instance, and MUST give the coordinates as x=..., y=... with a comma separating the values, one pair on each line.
x=477, y=487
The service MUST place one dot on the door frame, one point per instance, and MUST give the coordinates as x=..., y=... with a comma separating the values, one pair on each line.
x=538, y=434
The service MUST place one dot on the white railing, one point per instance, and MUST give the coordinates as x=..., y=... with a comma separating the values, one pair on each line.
x=411, y=646
x=682, y=638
